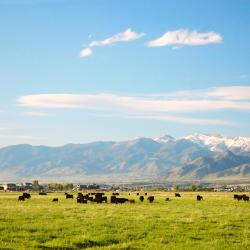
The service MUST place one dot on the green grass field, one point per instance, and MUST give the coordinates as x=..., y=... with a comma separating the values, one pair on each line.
x=217, y=222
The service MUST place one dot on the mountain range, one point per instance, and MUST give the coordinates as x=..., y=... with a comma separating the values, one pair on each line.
x=196, y=157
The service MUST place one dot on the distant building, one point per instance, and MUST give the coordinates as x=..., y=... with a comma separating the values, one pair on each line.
x=9, y=187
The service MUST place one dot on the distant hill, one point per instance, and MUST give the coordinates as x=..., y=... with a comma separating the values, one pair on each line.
x=195, y=157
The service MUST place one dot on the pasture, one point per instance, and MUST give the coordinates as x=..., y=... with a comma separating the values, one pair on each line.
x=217, y=222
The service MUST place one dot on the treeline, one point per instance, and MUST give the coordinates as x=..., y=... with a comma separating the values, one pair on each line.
x=60, y=187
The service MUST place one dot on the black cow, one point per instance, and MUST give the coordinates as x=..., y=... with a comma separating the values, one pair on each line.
x=245, y=198
x=79, y=195
x=137, y=194
x=55, y=200
x=177, y=195
x=81, y=200
x=26, y=195
x=114, y=199
x=167, y=199
x=21, y=198
x=69, y=196
x=146, y=194
x=121, y=200
x=151, y=199
x=236, y=196
x=199, y=198
x=240, y=197
x=115, y=193
x=141, y=198
x=100, y=199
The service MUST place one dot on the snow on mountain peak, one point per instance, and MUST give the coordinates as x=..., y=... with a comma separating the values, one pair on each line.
x=164, y=139
x=220, y=143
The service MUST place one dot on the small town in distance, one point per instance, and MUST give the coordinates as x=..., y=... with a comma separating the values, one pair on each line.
x=35, y=186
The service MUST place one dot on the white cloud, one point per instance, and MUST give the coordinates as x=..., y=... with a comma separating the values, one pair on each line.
x=126, y=36
x=232, y=98
x=154, y=106
x=86, y=52
x=185, y=37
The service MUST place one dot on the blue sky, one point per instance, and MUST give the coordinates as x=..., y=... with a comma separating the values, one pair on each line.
x=157, y=67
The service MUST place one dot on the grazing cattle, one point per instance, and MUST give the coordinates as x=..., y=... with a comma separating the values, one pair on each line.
x=114, y=199
x=146, y=194
x=69, y=196
x=100, y=199
x=115, y=194
x=141, y=198
x=55, y=200
x=167, y=199
x=151, y=199
x=42, y=193
x=80, y=195
x=137, y=194
x=26, y=195
x=21, y=198
x=121, y=200
x=177, y=195
x=81, y=200
x=199, y=198
x=128, y=193
x=131, y=201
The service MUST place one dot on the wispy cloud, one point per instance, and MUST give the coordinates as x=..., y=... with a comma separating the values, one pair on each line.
x=171, y=118
x=126, y=36
x=185, y=37
x=153, y=106
x=235, y=97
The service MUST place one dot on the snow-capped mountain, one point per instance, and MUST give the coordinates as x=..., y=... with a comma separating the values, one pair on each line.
x=195, y=157
x=220, y=143
x=164, y=139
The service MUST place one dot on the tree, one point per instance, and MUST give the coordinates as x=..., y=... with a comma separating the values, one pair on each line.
x=176, y=188
x=35, y=184
x=193, y=187
x=68, y=186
